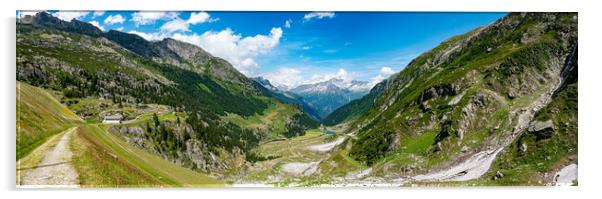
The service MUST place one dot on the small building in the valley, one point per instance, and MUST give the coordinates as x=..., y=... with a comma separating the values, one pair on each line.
x=112, y=119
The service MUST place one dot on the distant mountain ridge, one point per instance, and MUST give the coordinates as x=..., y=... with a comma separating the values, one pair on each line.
x=329, y=95
x=287, y=97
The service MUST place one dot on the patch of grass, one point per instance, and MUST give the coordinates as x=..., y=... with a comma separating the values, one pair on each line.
x=39, y=116
x=272, y=120
x=98, y=166
x=164, y=171
x=420, y=143
x=339, y=164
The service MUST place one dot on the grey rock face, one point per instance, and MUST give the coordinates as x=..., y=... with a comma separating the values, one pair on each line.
x=134, y=135
x=45, y=19
x=542, y=130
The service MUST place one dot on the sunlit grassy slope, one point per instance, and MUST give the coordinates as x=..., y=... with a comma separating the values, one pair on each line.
x=39, y=116
x=273, y=119
x=121, y=164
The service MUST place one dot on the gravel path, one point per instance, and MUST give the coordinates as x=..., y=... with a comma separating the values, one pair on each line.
x=55, y=169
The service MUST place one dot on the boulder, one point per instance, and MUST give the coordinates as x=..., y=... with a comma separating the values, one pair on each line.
x=523, y=147
x=542, y=129
x=465, y=149
x=438, y=146
x=498, y=175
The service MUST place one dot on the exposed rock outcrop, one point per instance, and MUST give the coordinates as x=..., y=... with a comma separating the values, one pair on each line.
x=542, y=129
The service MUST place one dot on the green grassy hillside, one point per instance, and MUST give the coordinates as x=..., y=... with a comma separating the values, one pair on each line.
x=106, y=160
x=464, y=95
x=39, y=116
x=272, y=121
x=98, y=72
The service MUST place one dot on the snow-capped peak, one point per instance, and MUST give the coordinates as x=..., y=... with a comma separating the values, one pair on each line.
x=334, y=85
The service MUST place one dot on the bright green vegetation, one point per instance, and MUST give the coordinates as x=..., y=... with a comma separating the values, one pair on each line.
x=39, y=116
x=102, y=159
x=142, y=167
x=339, y=163
x=498, y=72
x=99, y=166
x=105, y=73
x=272, y=120
x=529, y=156
x=190, y=117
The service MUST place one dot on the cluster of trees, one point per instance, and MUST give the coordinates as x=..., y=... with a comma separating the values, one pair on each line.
x=218, y=134
x=372, y=146
x=164, y=137
x=298, y=124
x=83, y=73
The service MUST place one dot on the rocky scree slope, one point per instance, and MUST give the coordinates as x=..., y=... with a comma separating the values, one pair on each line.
x=473, y=93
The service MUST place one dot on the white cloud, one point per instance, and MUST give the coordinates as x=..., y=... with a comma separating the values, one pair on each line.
x=95, y=23
x=239, y=51
x=178, y=24
x=69, y=15
x=97, y=14
x=287, y=23
x=146, y=17
x=119, y=29
x=340, y=74
x=386, y=70
x=149, y=36
x=175, y=25
x=114, y=19
x=306, y=47
x=383, y=74
x=197, y=18
x=292, y=77
x=288, y=77
x=318, y=15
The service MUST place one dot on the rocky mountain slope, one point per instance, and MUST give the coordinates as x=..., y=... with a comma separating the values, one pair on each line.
x=123, y=72
x=503, y=93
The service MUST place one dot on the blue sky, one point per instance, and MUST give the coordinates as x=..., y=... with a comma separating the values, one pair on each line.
x=292, y=48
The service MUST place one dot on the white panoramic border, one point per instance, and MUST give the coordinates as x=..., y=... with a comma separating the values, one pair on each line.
x=589, y=95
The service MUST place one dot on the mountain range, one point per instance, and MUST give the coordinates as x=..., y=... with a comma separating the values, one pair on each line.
x=93, y=69
x=493, y=106
x=495, y=102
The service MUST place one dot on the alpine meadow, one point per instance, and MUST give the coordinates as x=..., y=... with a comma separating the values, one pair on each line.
x=295, y=99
